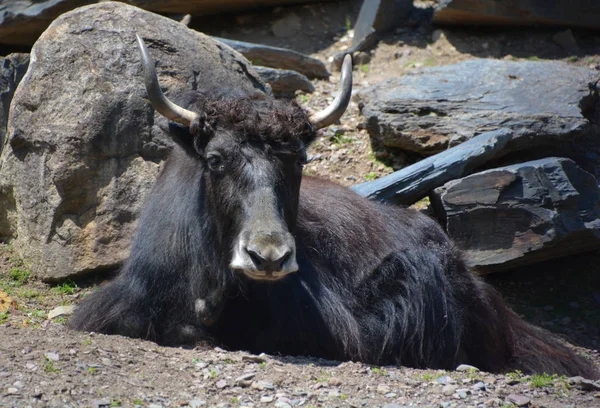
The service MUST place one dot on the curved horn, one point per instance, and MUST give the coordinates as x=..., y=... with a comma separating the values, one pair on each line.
x=157, y=98
x=337, y=108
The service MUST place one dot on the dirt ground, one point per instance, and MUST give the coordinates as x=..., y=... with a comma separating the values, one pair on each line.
x=43, y=363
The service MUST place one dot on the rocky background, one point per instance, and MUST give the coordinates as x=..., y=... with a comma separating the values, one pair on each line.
x=483, y=114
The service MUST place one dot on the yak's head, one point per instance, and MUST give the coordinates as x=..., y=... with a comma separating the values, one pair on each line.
x=252, y=149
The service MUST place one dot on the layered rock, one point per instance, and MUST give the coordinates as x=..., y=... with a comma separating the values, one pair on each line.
x=429, y=110
x=521, y=214
x=578, y=13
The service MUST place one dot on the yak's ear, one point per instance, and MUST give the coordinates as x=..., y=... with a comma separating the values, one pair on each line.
x=309, y=135
x=180, y=135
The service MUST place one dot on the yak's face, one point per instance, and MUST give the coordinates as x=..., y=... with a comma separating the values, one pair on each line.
x=254, y=188
x=251, y=149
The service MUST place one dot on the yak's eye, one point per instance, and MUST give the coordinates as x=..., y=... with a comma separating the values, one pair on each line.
x=215, y=161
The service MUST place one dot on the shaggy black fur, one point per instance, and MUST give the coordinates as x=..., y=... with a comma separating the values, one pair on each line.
x=376, y=283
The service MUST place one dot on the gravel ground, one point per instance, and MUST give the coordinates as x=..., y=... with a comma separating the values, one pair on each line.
x=52, y=366
x=43, y=363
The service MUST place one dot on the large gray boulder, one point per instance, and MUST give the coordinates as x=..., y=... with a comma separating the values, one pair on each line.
x=575, y=13
x=427, y=111
x=523, y=213
x=22, y=22
x=84, y=146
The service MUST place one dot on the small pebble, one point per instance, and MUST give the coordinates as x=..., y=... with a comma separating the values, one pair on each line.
x=466, y=367
x=448, y=389
x=253, y=359
x=383, y=389
x=52, y=356
x=518, y=400
x=479, y=386
x=463, y=393
x=445, y=379
x=335, y=381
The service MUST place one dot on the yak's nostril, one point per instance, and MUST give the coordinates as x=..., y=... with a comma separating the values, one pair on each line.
x=256, y=258
x=284, y=259
x=269, y=260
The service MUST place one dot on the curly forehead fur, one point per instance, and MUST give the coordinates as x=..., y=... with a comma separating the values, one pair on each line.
x=253, y=118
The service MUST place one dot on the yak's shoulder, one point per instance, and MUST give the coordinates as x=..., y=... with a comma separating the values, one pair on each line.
x=345, y=213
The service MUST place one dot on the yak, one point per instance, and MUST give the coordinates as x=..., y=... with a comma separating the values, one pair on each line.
x=236, y=248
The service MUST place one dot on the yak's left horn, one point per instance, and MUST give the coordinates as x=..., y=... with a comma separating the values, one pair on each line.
x=157, y=98
x=337, y=108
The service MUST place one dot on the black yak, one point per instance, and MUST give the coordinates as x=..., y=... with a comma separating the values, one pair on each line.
x=234, y=246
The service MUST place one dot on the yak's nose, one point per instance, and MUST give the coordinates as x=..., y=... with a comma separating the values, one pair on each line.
x=270, y=258
x=265, y=256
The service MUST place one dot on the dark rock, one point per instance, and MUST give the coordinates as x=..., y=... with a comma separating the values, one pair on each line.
x=287, y=26
x=84, y=146
x=429, y=110
x=361, y=58
x=521, y=214
x=589, y=385
x=414, y=182
x=12, y=70
x=284, y=83
x=279, y=58
x=22, y=22
x=579, y=13
x=375, y=18
x=566, y=40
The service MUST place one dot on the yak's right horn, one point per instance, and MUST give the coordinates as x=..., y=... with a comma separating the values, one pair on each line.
x=157, y=98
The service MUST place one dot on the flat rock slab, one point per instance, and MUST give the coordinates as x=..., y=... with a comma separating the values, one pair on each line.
x=284, y=82
x=431, y=109
x=521, y=214
x=22, y=22
x=578, y=13
x=410, y=184
x=83, y=142
x=279, y=58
